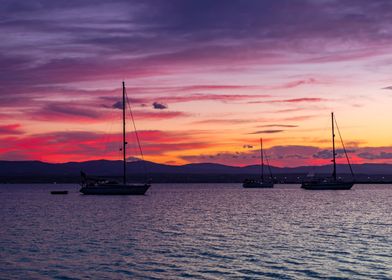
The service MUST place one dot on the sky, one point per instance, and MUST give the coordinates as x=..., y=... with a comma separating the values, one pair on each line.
x=205, y=79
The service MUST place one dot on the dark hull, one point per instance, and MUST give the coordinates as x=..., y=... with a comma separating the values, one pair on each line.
x=136, y=189
x=327, y=186
x=59, y=192
x=257, y=185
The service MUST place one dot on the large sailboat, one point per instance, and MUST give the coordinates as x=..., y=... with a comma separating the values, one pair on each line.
x=99, y=186
x=331, y=183
x=262, y=183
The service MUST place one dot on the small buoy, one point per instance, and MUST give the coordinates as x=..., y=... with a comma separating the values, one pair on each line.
x=59, y=192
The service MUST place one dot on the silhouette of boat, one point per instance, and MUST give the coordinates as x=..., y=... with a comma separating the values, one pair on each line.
x=253, y=183
x=331, y=183
x=99, y=186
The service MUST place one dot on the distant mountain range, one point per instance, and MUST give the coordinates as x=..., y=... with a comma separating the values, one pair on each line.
x=15, y=171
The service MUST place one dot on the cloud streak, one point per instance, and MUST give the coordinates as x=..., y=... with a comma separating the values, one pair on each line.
x=80, y=145
x=11, y=129
x=293, y=100
x=278, y=125
x=267, y=131
x=295, y=155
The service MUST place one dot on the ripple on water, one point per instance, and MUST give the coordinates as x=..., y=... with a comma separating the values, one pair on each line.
x=210, y=231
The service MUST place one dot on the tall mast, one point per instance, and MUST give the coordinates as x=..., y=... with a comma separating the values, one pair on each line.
x=261, y=159
x=124, y=141
x=333, y=148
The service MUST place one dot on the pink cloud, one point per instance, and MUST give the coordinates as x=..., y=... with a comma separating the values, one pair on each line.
x=81, y=146
x=294, y=155
x=69, y=112
x=348, y=55
x=161, y=115
x=225, y=121
x=199, y=97
x=300, y=118
x=279, y=125
x=11, y=129
x=292, y=100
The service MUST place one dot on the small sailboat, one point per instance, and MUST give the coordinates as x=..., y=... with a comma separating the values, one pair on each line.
x=97, y=186
x=331, y=183
x=252, y=183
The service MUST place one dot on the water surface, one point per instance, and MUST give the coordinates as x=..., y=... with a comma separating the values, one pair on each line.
x=201, y=231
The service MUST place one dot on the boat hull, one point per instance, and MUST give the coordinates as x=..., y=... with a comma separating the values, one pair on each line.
x=327, y=186
x=136, y=189
x=257, y=185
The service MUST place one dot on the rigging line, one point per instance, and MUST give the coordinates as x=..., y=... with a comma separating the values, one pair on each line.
x=269, y=166
x=344, y=149
x=134, y=126
x=137, y=137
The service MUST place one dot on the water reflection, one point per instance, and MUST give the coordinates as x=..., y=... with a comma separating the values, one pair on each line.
x=196, y=231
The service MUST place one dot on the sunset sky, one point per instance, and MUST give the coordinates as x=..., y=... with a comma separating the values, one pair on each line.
x=206, y=79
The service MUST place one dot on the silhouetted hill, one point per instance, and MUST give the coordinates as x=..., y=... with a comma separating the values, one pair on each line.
x=23, y=170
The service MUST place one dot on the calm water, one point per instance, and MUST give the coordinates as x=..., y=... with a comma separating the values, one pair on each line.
x=201, y=231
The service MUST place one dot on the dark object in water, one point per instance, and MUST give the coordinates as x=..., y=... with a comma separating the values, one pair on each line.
x=327, y=185
x=59, y=192
x=114, y=188
x=331, y=183
x=251, y=183
x=107, y=187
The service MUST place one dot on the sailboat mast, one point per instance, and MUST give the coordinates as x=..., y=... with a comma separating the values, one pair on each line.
x=333, y=148
x=261, y=159
x=124, y=140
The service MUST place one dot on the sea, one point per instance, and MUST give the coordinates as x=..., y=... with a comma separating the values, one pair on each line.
x=196, y=231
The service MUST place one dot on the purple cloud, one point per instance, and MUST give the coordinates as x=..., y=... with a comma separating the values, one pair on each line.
x=159, y=106
x=373, y=156
x=278, y=125
x=11, y=129
x=64, y=111
x=117, y=105
x=293, y=100
x=267, y=131
x=68, y=44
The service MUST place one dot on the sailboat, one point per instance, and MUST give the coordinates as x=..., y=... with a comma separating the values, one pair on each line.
x=331, y=183
x=251, y=183
x=97, y=186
